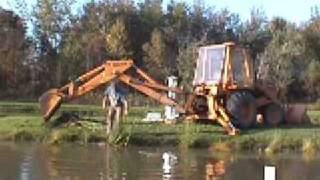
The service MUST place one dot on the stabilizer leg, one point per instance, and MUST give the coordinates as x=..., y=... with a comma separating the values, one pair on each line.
x=225, y=122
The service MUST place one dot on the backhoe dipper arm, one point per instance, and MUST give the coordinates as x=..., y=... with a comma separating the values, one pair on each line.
x=142, y=87
x=150, y=82
x=51, y=100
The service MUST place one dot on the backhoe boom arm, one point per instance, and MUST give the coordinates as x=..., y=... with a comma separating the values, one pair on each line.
x=51, y=100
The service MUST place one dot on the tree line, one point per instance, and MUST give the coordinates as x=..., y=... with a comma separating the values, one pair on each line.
x=62, y=43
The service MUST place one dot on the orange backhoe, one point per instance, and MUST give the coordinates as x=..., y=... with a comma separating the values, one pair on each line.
x=225, y=90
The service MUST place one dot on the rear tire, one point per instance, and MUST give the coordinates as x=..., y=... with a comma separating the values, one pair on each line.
x=242, y=108
x=273, y=114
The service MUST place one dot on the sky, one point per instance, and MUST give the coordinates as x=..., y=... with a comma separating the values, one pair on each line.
x=292, y=10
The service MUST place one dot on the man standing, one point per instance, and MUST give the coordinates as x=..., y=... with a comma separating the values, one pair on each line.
x=118, y=105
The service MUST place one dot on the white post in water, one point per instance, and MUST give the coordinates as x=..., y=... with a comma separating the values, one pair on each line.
x=269, y=173
x=170, y=113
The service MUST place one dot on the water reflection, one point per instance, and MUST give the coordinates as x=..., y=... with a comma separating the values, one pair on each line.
x=169, y=160
x=215, y=169
x=33, y=161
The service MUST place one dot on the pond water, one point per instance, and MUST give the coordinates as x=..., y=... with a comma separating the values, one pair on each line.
x=24, y=161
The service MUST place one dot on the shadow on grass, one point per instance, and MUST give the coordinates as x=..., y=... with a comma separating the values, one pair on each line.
x=299, y=126
x=128, y=122
x=94, y=120
x=262, y=128
x=71, y=118
x=156, y=133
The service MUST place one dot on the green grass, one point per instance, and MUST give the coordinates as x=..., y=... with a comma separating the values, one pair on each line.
x=21, y=121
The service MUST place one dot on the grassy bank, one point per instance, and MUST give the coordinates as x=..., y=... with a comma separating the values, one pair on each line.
x=21, y=121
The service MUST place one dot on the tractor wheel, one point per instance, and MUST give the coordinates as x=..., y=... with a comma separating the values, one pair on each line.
x=273, y=114
x=242, y=108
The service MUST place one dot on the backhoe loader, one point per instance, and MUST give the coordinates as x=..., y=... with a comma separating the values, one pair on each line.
x=225, y=90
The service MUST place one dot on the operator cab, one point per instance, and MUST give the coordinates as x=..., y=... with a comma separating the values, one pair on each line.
x=224, y=64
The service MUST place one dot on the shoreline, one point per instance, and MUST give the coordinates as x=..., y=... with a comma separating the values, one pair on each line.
x=30, y=127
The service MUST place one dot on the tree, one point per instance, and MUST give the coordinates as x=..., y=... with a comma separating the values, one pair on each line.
x=222, y=27
x=151, y=14
x=198, y=20
x=117, y=40
x=283, y=61
x=50, y=20
x=187, y=64
x=156, y=56
x=84, y=42
x=277, y=24
x=14, y=49
x=312, y=36
x=312, y=79
x=254, y=33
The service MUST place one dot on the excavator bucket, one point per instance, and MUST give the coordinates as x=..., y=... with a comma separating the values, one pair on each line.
x=50, y=101
x=296, y=114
